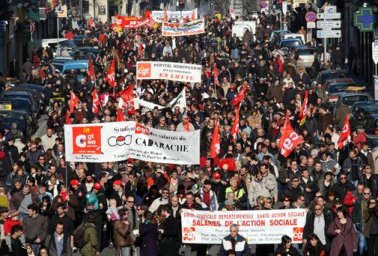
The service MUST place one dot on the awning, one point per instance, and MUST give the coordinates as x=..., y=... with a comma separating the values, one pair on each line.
x=34, y=16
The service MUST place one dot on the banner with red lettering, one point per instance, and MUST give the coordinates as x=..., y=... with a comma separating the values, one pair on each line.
x=169, y=71
x=121, y=22
x=157, y=16
x=193, y=27
x=119, y=141
x=258, y=227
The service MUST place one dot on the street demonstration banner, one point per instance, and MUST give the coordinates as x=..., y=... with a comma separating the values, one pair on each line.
x=121, y=22
x=258, y=227
x=169, y=71
x=193, y=27
x=118, y=141
x=158, y=16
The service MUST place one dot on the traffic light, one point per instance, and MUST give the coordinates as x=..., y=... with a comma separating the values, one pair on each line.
x=181, y=4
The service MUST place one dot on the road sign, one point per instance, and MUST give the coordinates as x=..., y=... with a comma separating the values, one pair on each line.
x=310, y=24
x=375, y=51
x=330, y=9
x=328, y=34
x=328, y=16
x=310, y=17
x=328, y=24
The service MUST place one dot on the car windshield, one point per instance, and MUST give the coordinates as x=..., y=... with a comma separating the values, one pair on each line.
x=350, y=100
x=305, y=51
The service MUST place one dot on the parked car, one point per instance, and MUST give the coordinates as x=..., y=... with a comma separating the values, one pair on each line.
x=291, y=43
x=349, y=98
x=58, y=62
x=37, y=97
x=39, y=88
x=330, y=74
x=20, y=118
x=80, y=67
x=306, y=55
x=13, y=94
x=83, y=53
x=335, y=89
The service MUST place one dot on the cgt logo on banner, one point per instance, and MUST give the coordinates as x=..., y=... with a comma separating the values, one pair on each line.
x=118, y=141
x=144, y=70
x=258, y=227
x=87, y=140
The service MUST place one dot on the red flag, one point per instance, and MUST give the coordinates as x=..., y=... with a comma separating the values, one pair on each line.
x=127, y=94
x=165, y=16
x=120, y=115
x=235, y=125
x=303, y=113
x=119, y=111
x=289, y=139
x=110, y=76
x=215, y=142
x=240, y=97
x=215, y=75
x=193, y=15
x=69, y=35
x=345, y=134
x=230, y=162
x=95, y=102
x=91, y=71
x=140, y=49
x=73, y=102
x=91, y=23
x=68, y=119
x=101, y=37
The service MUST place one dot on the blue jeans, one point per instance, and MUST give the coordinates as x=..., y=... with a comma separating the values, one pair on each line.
x=362, y=247
x=125, y=251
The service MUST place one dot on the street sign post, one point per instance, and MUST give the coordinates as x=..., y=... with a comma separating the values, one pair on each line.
x=328, y=33
x=328, y=24
x=310, y=16
x=328, y=16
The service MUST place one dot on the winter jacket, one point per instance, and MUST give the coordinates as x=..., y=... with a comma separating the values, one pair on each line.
x=213, y=200
x=347, y=237
x=121, y=234
x=241, y=247
x=90, y=239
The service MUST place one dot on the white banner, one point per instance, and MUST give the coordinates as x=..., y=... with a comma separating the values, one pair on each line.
x=157, y=16
x=179, y=101
x=118, y=141
x=169, y=71
x=258, y=227
x=193, y=27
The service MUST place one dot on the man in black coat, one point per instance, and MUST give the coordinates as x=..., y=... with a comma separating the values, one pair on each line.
x=317, y=222
x=169, y=243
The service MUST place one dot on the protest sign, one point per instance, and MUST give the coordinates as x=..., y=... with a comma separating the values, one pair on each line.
x=258, y=227
x=193, y=27
x=121, y=22
x=169, y=71
x=157, y=16
x=118, y=141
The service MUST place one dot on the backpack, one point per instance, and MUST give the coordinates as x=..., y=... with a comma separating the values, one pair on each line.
x=79, y=233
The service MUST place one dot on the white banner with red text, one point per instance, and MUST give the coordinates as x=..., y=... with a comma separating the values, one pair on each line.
x=158, y=16
x=258, y=227
x=169, y=71
x=118, y=141
x=193, y=27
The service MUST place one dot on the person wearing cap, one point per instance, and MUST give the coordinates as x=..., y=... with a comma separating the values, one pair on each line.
x=79, y=193
x=218, y=187
x=118, y=194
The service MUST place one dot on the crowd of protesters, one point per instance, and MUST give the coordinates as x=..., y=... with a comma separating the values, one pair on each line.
x=47, y=204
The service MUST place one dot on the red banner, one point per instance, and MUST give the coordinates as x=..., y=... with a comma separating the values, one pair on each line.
x=121, y=22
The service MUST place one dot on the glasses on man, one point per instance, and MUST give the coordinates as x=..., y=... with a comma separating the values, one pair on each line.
x=343, y=178
x=367, y=193
x=318, y=209
x=131, y=202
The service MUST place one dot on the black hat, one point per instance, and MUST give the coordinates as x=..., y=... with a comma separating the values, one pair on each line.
x=207, y=182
